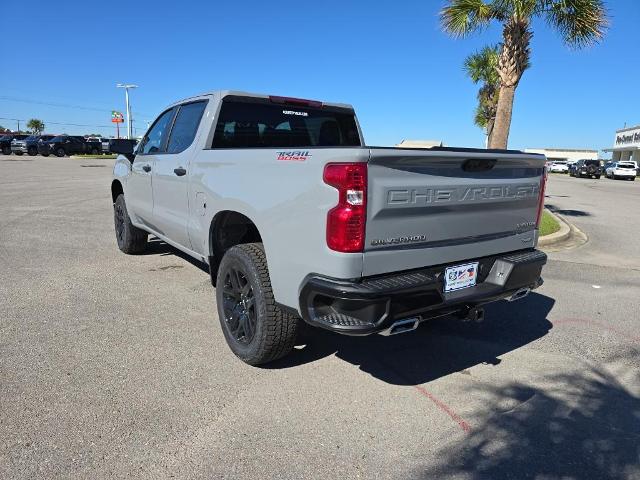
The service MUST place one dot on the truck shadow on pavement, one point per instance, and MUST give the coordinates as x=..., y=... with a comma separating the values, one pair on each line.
x=567, y=212
x=155, y=246
x=577, y=424
x=437, y=348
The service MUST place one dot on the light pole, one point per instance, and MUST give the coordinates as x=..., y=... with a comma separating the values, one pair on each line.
x=126, y=87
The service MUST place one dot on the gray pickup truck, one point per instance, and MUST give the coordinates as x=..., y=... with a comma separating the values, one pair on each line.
x=298, y=220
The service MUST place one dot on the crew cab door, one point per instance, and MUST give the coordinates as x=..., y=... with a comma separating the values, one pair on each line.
x=170, y=175
x=139, y=192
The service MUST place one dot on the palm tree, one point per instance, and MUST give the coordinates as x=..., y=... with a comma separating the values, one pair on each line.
x=481, y=67
x=36, y=126
x=579, y=22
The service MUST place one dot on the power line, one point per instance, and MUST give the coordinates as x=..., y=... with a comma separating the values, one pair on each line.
x=62, y=105
x=46, y=122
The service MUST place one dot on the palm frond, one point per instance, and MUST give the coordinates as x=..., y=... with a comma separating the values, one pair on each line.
x=481, y=66
x=462, y=17
x=580, y=22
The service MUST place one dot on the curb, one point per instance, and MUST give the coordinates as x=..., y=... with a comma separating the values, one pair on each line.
x=559, y=236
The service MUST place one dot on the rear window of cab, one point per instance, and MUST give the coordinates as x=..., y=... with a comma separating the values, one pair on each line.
x=255, y=123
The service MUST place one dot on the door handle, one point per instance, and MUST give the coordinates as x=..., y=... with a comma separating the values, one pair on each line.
x=146, y=168
x=179, y=171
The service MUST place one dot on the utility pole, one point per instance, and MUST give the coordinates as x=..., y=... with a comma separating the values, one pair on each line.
x=126, y=87
x=18, y=126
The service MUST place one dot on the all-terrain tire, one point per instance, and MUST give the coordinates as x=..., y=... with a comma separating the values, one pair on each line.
x=131, y=239
x=274, y=330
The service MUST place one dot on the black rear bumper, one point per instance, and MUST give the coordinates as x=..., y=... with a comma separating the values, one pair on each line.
x=373, y=304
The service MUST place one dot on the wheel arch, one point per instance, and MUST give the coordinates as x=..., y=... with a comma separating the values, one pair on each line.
x=227, y=229
x=116, y=189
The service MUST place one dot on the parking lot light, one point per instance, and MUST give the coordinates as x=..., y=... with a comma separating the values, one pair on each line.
x=126, y=87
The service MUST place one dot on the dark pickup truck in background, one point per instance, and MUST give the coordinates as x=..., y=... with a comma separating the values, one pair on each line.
x=64, y=145
x=29, y=145
x=5, y=142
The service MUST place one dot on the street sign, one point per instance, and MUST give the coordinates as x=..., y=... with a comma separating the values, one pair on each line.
x=117, y=117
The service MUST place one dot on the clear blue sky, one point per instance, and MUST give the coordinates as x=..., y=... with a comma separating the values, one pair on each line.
x=389, y=59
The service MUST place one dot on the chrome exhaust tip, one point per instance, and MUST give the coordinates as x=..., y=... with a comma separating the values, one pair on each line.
x=402, y=326
x=523, y=292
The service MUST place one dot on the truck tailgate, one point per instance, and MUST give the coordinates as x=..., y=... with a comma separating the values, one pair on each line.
x=429, y=207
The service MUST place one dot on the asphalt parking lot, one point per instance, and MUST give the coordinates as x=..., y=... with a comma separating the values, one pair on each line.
x=115, y=366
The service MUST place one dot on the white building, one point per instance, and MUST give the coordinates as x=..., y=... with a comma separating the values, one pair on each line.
x=420, y=144
x=626, y=145
x=568, y=155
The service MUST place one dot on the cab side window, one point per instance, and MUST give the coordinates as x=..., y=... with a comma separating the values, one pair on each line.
x=185, y=127
x=156, y=139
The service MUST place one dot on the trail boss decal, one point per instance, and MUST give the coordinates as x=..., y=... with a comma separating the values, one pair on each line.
x=294, y=156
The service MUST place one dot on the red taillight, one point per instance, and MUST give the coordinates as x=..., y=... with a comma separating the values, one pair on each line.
x=543, y=184
x=346, y=221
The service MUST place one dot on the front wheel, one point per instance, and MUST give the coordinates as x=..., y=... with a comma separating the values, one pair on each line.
x=6, y=150
x=597, y=177
x=255, y=328
x=60, y=152
x=32, y=151
x=130, y=238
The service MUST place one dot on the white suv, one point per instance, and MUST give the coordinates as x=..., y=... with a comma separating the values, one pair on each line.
x=559, y=167
x=626, y=170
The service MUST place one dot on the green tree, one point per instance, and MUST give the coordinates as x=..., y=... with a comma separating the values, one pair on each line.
x=36, y=126
x=481, y=67
x=579, y=22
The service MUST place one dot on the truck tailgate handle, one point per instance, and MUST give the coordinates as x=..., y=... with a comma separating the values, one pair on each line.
x=146, y=168
x=479, y=164
x=179, y=171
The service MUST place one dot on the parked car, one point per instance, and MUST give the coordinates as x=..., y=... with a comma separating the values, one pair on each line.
x=29, y=145
x=559, y=167
x=5, y=142
x=586, y=168
x=298, y=220
x=626, y=170
x=63, y=145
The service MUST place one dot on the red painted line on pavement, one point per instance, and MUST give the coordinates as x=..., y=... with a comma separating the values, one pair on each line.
x=445, y=408
x=594, y=323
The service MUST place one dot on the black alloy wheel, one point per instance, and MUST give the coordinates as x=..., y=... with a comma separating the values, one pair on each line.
x=239, y=305
x=119, y=217
x=60, y=152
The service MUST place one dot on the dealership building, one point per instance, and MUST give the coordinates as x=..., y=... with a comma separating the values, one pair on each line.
x=568, y=155
x=626, y=145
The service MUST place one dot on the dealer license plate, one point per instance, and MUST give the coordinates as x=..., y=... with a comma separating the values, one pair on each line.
x=460, y=276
